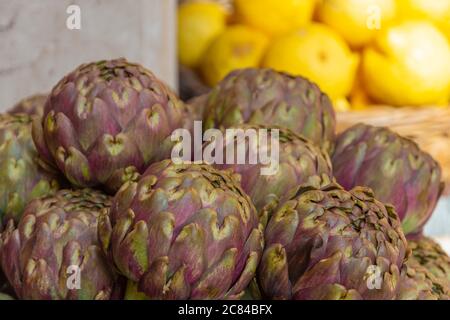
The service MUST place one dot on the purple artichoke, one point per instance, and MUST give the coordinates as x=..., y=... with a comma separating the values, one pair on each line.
x=105, y=121
x=193, y=111
x=430, y=254
x=22, y=177
x=4, y=296
x=426, y=275
x=267, y=97
x=33, y=105
x=298, y=160
x=419, y=283
x=183, y=232
x=328, y=243
x=6, y=292
x=394, y=167
x=54, y=253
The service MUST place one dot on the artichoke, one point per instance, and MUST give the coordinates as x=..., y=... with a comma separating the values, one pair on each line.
x=3, y=282
x=106, y=121
x=429, y=254
x=394, y=167
x=54, y=251
x=328, y=243
x=6, y=291
x=426, y=275
x=298, y=160
x=267, y=97
x=418, y=283
x=193, y=111
x=22, y=178
x=33, y=105
x=4, y=296
x=183, y=231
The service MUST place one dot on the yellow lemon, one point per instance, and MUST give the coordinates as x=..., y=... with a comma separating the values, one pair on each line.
x=198, y=24
x=357, y=20
x=317, y=53
x=408, y=64
x=237, y=47
x=437, y=11
x=275, y=17
x=358, y=97
x=341, y=104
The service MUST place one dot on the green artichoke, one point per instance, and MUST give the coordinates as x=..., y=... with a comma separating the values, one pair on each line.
x=429, y=254
x=183, y=232
x=106, y=121
x=328, y=243
x=33, y=105
x=54, y=252
x=267, y=97
x=394, y=167
x=298, y=160
x=22, y=178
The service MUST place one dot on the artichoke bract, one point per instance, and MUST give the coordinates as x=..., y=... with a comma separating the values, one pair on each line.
x=33, y=105
x=394, y=167
x=183, y=231
x=297, y=160
x=107, y=121
x=267, y=97
x=328, y=243
x=22, y=178
x=54, y=251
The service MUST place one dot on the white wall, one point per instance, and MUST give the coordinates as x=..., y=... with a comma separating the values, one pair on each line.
x=438, y=226
x=37, y=49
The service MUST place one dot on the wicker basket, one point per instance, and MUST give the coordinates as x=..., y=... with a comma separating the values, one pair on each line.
x=429, y=127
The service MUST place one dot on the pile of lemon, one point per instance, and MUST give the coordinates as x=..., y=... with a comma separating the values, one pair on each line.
x=360, y=52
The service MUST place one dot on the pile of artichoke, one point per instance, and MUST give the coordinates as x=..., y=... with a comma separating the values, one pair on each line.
x=93, y=207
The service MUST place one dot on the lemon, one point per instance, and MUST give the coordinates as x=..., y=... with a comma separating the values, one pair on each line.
x=317, y=53
x=341, y=104
x=198, y=24
x=408, y=64
x=358, y=99
x=437, y=11
x=357, y=20
x=237, y=47
x=275, y=17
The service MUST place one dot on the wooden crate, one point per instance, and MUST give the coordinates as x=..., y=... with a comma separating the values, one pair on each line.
x=428, y=126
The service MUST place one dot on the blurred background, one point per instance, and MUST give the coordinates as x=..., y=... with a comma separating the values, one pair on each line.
x=383, y=62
